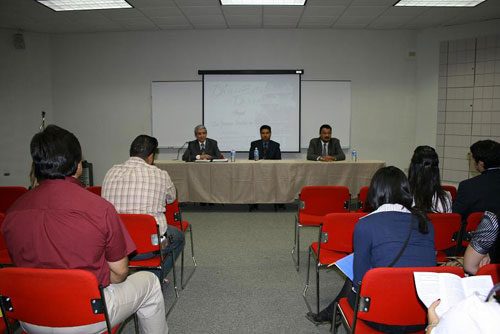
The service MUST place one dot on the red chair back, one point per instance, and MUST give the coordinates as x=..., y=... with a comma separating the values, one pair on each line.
x=396, y=302
x=3, y=245
x=51, y=297
x=8, y=195
x=473, y=221
x=95, y=189
x=491, y=269
x=362, y=196
x=340, y=229
x=142, y=228
x=173, y=215
x=445, y=227
x=452, y=190
x=321, y=200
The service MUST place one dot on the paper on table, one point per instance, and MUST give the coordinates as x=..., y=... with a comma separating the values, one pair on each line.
x=345, y=265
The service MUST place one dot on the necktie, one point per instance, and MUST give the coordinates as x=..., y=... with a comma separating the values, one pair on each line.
x=325, y=151
x=202, y=148
x=265, y=149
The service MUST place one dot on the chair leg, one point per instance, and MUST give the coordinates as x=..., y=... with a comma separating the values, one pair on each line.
x=317, y=286
x=183, y=285
x=295, y=248
x=308, y=271
x=176, y=290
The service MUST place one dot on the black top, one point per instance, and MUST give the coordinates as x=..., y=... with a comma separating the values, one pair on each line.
x=272, y=152
x=193, y=150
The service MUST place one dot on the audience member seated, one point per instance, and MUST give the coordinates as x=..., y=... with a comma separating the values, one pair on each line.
x=325, y=147
x=481, y=193
x=202, y=148
x=484, y=247
x=395, y=234
x=61, y=225
x=425, y=183
x=137, y=186
x=471, y=315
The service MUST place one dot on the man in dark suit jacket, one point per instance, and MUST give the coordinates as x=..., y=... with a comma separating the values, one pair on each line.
x=202, y=148
x=325, y=148
x=268, y=149
x=481, y=192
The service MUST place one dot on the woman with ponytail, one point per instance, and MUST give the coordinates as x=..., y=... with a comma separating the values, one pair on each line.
x=425, y=183
x=395, y=234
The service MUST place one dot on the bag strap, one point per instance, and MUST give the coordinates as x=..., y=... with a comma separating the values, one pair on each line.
x=404, y=246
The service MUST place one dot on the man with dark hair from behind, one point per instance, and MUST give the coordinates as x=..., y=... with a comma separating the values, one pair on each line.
x=61, y=225
x=137, y=186
x=325, y=147
x=482, y=192
x=268, y=149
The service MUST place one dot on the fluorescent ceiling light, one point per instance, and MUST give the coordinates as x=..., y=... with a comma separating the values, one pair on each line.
x=439, y=3
x=63, y=5
x=264, y=2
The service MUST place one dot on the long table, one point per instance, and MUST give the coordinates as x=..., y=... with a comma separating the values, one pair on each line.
x=264, y=181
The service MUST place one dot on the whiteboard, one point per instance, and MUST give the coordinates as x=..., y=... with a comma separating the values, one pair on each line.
x=176, y=108
x=175, y=111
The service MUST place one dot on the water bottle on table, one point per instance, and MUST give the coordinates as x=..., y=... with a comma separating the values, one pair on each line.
x=256, y=154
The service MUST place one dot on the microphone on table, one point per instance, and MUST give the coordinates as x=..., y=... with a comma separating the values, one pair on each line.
x=179, y=150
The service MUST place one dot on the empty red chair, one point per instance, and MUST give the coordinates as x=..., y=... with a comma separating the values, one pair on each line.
x=8, y=195
x=53, y=297
x=473, y=221
x=334, y=242
x=174, y=218
x=387, y=296
x=446, y=228
x=95, y=189
x=362, y=196
x=452, y=190
x=314, y=203
x=490, y=269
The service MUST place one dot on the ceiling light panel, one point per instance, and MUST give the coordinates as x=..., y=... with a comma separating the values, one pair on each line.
x=439, y=3
x=264, y=2
x=67, y=5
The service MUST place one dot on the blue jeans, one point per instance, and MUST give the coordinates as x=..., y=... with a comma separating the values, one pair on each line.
x=176, y=244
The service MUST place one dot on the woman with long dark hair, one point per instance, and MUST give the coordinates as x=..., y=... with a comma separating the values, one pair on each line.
x=395, y=234
x=425, y=182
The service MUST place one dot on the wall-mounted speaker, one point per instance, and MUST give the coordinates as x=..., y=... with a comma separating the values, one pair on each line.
x=19, y=41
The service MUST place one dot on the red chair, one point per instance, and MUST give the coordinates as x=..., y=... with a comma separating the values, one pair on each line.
x=174, y=218
x=314, y=203
x=491, y=269
x=95, y=189
x=452, y=190
x=334, y=242
x=393, y=303
x=5, y=259
x=8, y=195
x=53, y=297
x=446, y=228
x=362, y=196
x=145, y=233
x=473, y=221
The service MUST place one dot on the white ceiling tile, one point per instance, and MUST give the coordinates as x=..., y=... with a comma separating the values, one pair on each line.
x=152, y=3
x=327, y=2
x=210, y=26
x=243, y=20
x=207, y=20
x=170, y=20
x=349, y=26
x=242, y=10
x=200, y=10
x=324, y=11
x=122, y=13
x=161, y=11
x=283, y=10
x=198, y=2
x=280, y=20
x=404, y=11
x=175, y=27
x=373, y=2
x=365, y=10
x=355, y=20
x=321, y=20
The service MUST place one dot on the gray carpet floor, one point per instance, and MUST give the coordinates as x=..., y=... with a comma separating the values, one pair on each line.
x=246, y=281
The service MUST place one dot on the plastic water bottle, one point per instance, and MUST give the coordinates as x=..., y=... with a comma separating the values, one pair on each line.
x=233, y=155
x=256, y=154
x=354, y=155
x=154, y=239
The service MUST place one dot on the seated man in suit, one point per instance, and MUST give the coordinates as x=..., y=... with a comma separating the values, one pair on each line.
x=325, y=148
x=268, y=149
x=202, y=148
x=482, y=192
